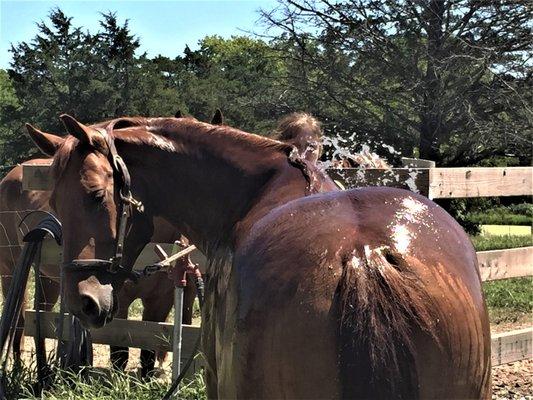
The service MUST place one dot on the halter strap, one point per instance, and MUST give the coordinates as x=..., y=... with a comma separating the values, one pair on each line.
x=127, y=203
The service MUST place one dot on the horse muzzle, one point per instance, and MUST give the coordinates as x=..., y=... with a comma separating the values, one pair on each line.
x=90, y=288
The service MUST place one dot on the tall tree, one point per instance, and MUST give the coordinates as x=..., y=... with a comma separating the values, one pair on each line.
x=67, y=70
x=240, y=75
x=453, y=77
x=9, y=108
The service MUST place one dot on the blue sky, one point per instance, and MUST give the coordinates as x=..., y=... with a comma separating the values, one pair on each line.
x=164, y=27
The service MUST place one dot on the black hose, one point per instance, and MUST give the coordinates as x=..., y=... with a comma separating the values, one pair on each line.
x=12, y=307
x=40, y=352
x=15, y=296
x=200, y=291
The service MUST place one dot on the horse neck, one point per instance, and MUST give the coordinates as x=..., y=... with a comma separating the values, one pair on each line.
x=212, y=200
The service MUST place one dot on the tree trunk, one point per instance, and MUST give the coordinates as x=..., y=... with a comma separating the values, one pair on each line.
x=431, y=113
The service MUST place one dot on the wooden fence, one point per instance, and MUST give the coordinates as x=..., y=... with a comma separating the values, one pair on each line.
x=436, y=183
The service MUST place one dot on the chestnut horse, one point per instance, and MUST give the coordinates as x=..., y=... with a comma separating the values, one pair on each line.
x=155, y=291
x=363, y=293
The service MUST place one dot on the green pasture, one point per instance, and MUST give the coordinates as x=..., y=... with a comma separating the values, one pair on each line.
x=501, y=242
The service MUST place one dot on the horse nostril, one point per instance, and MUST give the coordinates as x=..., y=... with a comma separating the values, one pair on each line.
x=89, y=306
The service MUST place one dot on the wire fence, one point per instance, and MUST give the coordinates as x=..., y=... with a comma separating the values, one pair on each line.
x=14, y=225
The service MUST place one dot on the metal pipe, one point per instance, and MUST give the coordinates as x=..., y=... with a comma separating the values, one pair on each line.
x=176, y=337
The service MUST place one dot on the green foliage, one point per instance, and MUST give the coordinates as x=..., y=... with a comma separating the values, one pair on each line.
x=499, y=217
x=194, y=389
x=509, y=299
x=458, y=209
x=514, y=214
x=239, y=75
x=522, y=209
x=91, y=76
x=18, y=380
x=375, y=75
x=490, y=242
x=450, y=78
x=8, y=97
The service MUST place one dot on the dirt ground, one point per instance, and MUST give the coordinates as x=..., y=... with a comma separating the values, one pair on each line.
x=513, y=381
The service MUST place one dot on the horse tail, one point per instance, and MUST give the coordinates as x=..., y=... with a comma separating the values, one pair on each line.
x=382, y=306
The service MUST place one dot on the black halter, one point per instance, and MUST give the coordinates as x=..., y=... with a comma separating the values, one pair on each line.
x=122, y=180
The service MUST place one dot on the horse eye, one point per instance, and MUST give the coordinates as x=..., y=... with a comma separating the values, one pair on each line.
x=98, y=195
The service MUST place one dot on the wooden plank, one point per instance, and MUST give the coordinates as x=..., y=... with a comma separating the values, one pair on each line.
x=503, y=264
x=434, y=182
x=417, y=163
x=36, y=177
x=512, y=346
x=506, y=347
x=414, y=179
x=493, y=264
x=480, y=182
x=149, y=257
x=52, y=253
x=122, y=332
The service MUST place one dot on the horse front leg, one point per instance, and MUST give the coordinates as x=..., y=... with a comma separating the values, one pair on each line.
x=156, y=309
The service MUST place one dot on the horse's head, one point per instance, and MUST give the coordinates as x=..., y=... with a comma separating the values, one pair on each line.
x=88, y=197
x=304, y=132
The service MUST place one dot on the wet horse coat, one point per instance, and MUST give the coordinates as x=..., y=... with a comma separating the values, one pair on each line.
x=366, y=293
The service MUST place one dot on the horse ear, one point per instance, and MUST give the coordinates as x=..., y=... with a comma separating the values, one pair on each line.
x=82, y=132
x=46, y=142
x=178, y=114
x=218, y=118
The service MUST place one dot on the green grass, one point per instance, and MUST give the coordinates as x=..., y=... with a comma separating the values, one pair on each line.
x=509, y=300
x=495, y=242
x=517, y=214
x=92, y=383
x=499, y=218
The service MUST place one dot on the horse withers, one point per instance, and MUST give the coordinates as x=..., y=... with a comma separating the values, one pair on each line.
x=363, y=293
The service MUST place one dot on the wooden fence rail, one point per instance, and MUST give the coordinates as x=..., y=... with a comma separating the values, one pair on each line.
x=506, y=347
x=503, y=264
x=435, y=183
x=493, y=264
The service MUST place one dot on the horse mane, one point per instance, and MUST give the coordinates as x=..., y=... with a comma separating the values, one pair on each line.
x=172, y=128
x=290, y=126
x=169, y=133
